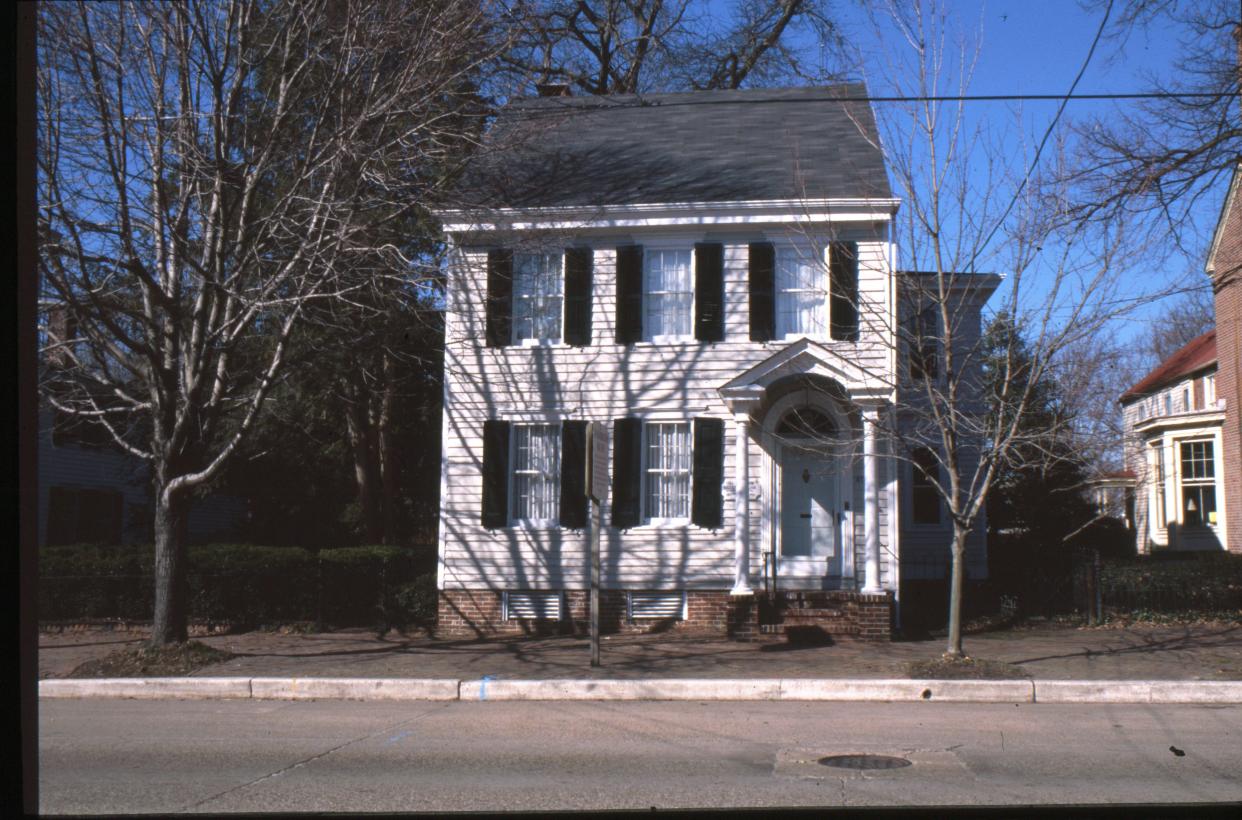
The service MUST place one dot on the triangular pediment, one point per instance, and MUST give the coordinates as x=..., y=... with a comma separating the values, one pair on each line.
x=801, y=358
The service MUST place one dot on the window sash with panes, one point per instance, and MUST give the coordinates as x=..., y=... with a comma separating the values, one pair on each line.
x=538, y=297
x=801, y=293
x=1198, y=465
x=668, y=458
x=1157, y=463
x=536, y=473
x=669, y=293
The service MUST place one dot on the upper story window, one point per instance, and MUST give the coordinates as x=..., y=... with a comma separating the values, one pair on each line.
x=801, y=294
x=1186, y=407
x=1168, y=403
x=538, y=297
x=666, y=472
x=668, y=286
x=536, y=473
x=1198, y=464
x=1209, y=390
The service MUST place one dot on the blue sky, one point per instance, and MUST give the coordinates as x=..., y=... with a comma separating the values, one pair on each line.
x=1038, y=47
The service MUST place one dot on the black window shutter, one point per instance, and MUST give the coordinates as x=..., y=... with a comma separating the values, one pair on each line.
x=629, y=294
x=627, y=451
x=707, y=508
x=843, y=274
x=573, y=475
x=709, y=292
x=762, y=291
x=578, y=296
x=499, y=297
x=495, y=474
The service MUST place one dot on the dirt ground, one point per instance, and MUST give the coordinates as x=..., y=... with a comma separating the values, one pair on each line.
x=1184, y=652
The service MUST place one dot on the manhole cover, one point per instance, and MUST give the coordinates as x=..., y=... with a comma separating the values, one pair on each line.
x=863, y=762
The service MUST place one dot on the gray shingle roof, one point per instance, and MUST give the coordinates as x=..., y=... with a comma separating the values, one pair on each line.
x=704, y=146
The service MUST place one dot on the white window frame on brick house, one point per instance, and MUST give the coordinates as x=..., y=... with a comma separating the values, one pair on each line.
x=541, y=478
x=668, y=467
x=1197, y=480
x=654, y=300
x=801, y=302
x=538, y=298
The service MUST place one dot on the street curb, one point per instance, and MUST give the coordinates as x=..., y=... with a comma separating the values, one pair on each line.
x=743, y=689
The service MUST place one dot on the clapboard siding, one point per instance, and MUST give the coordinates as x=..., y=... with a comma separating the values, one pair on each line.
x=605, y=381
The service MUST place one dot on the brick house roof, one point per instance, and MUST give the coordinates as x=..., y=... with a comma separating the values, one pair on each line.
x=1198, y=353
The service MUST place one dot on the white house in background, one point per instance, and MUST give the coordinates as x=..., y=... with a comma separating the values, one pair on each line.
x=711, y=275
x=1173, y=430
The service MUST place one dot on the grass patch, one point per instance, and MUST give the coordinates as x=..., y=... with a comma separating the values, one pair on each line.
x=965, y=668
x=152, y=662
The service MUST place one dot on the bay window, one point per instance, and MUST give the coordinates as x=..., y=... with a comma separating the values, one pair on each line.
x=1198, y=483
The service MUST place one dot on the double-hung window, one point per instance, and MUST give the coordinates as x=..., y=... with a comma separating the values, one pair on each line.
x=669, y=293
x=538, y=297
x=923, y=346
x=925, y=498
x=1198, y=483
x=536, y=464
x=1157, y=465
x=666, y=472
x=801, y=293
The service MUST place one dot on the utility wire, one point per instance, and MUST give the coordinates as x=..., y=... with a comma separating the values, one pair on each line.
x=1048, y=133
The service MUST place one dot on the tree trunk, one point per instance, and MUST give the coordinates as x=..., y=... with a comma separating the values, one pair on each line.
x=362, y=444
x=388, y=453
x=957, y=573
x=170, y=623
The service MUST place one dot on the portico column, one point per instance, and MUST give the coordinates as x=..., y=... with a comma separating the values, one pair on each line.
x=871, y=497
x=741, y=504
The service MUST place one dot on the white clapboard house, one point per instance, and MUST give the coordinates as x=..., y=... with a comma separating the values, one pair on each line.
x=710, y=275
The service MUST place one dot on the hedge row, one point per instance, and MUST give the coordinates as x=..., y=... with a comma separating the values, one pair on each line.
x=243, y=584
x=1208, y=584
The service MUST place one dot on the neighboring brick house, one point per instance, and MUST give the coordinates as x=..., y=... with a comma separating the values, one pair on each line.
x=1173, y=422
x=708, y=274
x=1224, y=265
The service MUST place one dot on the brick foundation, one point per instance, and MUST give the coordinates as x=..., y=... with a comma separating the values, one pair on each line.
x=477, y=613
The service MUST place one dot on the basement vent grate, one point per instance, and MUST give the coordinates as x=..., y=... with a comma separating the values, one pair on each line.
x=864, y=762
x=532, y=606
x=657, y=605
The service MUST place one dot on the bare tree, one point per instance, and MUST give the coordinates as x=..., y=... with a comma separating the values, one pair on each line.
x=1150, y=165
x=635, y=46
x=209, y=172
x=969, y=406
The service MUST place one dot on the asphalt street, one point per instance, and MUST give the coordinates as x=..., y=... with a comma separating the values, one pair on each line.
x=128, y=756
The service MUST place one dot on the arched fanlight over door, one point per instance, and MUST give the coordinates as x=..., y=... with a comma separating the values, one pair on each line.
x=807, y=422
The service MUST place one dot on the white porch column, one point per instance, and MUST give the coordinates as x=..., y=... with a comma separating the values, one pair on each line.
x=741, y=400
x=741, y=504
x=871, y=497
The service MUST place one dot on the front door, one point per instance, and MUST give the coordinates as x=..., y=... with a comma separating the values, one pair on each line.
x=810, y=539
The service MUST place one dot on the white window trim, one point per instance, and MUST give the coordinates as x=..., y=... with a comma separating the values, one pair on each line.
x=781, y=333
x=559, y=341
x=657, y=523
x=532, y=523
x=1215, y=481
x=669, y=246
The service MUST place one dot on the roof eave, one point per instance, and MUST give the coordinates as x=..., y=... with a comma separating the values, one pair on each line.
x=566, y=217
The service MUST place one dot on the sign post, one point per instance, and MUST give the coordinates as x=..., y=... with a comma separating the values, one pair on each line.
x=597, y=491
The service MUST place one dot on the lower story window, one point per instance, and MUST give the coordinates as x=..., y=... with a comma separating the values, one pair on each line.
x=667, y=471
x=925, y=497
x=1198, y=483
x=536, y=473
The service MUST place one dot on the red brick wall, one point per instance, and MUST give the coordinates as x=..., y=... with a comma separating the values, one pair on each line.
x=475, y=613
x=1227, y=283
